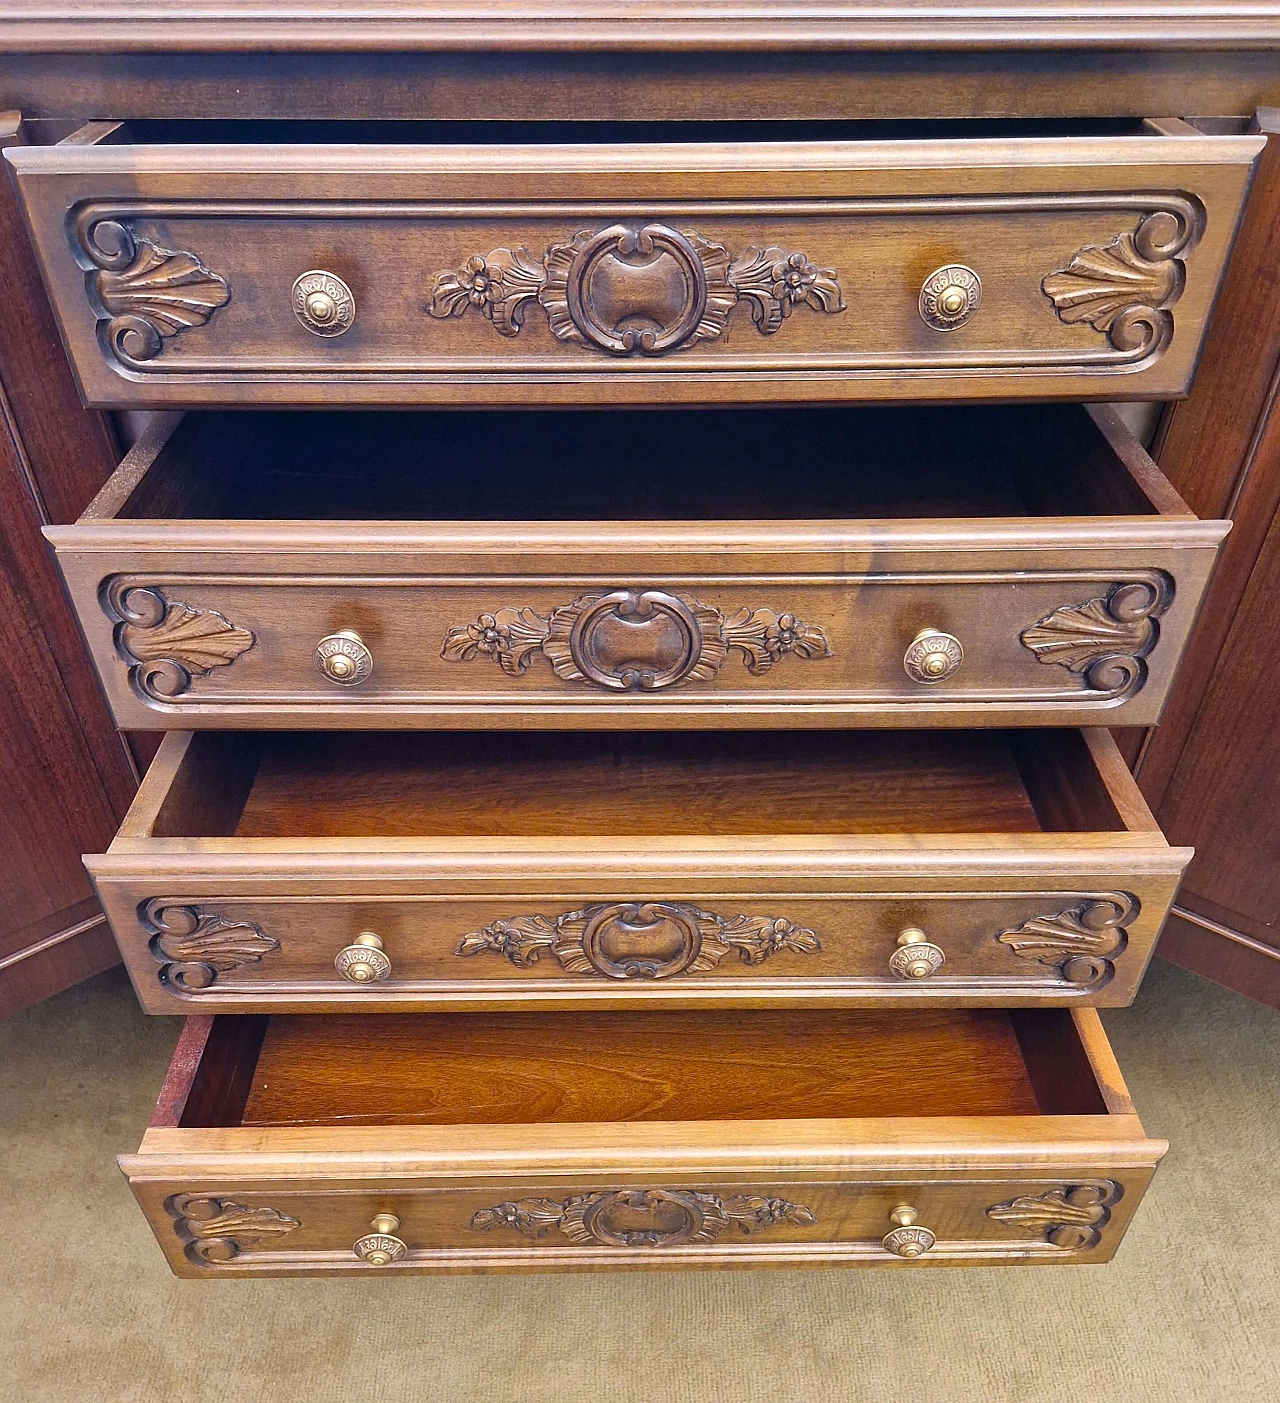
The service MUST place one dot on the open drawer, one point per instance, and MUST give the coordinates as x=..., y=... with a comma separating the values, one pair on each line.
x=401, y=872
x=241, y=263
x=286, y=1146
x=985, y=565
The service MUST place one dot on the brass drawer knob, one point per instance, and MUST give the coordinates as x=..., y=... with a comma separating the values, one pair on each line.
x=323, y=303
x=932, y=656
x=907, y=1239
x=916, y=956
x=380, y=1246
x=362, y=962
x=343, y=658
x=950, y=296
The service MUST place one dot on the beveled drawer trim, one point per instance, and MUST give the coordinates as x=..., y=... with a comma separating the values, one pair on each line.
x=1075, y=942
x=1058, y=1219
x=1104, y=639
x=1137, y=326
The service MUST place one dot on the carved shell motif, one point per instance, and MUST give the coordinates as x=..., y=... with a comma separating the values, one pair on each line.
x=634, y=640
x=147, y=293
x=1125, y=288
x=1106, y=639
x=639, y=940
x=1080, y=942
x=1070, y=1218
x=215, y=1230
x=643, y=1217
x=171, y=642
x=194, y=947
x=636, y=290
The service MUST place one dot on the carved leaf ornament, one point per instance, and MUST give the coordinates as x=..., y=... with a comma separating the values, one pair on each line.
x=1080, y=942
x=1106, y=640
x=639, y=940
x=640, y=1218
x=170, y=642
x=634, y=640
x=215, y=1230
x=636, y=291
x=1070, y=1218
x=195, y=946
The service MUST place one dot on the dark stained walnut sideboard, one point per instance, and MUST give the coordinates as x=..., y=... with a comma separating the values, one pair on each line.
x=644, y=617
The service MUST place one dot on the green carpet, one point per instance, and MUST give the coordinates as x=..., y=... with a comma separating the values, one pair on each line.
x=1190, y=1310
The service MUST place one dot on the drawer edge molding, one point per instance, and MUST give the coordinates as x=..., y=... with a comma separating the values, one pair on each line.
x=611, y=939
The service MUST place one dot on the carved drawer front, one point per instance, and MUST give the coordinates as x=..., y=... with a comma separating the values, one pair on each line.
x=375, y=874
x=1074, y=611
x=684, y=271
x=361, y=1181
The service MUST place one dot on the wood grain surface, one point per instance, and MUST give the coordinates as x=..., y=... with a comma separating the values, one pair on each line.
x=519, y=1069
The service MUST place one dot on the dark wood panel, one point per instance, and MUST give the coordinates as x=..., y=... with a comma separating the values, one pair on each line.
x=538, y=1068
x=65, y=780
x=408, y=785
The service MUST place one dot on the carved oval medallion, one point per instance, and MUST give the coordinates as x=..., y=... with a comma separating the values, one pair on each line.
x=647, y=940
x=634, y=290
x=644, y=1218
x=631, y=640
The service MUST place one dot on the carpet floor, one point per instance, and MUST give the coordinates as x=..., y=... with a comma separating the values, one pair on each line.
x=1189, y=1311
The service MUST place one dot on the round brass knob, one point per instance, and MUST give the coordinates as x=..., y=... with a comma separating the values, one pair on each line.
x=323, y=303
x=380, y=1246
x=916, y=956
x=950, y=296
x=343, y=658
x=362, y=962
x=907, y=1239
x=932, y=656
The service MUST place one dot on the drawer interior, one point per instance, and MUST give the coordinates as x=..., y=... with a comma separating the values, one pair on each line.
x=690, y=465
x=550, y=1069
x=428, y=132
x=607, y=785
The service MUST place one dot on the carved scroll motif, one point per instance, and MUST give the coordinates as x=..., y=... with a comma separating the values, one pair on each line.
x=1106, y=640
x=634, y=640
x=643, y=1217
x=636, y=291
x=1070, y=1218
x=1080, y=942
x=146, y=294
x=639, y=940
x=215, y=1230
x=170, y=642
x=194, y=947
x=1125, y=288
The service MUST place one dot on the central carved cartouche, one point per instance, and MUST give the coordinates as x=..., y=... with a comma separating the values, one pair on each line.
x=636, y=291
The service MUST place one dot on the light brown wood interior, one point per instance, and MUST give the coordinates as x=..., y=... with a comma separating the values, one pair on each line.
x=770, y=464
x=547, y=1068
x=601, y=785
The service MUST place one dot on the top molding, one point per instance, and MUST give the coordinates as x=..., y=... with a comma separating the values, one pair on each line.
x=87, y=26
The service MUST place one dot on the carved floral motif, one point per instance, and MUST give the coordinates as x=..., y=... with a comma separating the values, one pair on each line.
x=1080, y=942
x=1070, y=1218
x=650, y=940
x=215, y=1230
x=645, y=290
x=634, y=639
x=643, y=1217
x=1125, y=288
x=194, y=947
x=1106, y=639
x=639, y=940
x=146, y=293
x=170, y=642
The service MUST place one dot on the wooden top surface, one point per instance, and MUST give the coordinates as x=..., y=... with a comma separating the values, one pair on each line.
x=80, y=26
